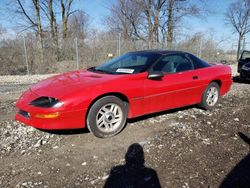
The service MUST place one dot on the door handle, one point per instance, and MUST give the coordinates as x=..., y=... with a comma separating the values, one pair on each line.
x=195, y=77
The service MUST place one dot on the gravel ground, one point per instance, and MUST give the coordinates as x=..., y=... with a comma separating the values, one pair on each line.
x=28, y=79
x=186, y=147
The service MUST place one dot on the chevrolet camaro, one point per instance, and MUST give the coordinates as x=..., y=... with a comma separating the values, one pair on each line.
x=137, y=83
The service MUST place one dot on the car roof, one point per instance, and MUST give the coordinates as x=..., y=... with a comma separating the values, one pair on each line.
x=162, y=52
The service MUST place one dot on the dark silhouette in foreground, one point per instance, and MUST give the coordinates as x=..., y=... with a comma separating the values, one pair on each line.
x=239, y=177
x=133, y=173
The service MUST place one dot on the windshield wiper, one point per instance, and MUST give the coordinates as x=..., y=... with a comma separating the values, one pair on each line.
x=100, y=70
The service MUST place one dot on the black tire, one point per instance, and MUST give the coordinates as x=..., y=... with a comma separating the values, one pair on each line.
x=204, y=102
x=94, y=113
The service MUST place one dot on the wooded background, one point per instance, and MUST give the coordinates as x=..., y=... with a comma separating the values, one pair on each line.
x=52, y=36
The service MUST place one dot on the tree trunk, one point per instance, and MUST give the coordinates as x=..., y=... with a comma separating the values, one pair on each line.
x=160, y=3
x=64, y=20
x=170, y=25
x=150, y=25
x=65, y=28
x=53, y=29
x=156, y=26
x=52, y=22
x=66, y=11
x=39, y=33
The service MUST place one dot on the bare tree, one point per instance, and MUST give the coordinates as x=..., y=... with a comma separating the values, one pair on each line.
x=175, y=11
x=53, y=22
x=151, y=20
x=125, y=18
x=33, y=22
x=22, y=11
x=36, y=4
x=152, y=10
x=137, y=19
x=79, y=25
x=237, y=16
x=170, y=24
x=48, y=8
x=66, y=11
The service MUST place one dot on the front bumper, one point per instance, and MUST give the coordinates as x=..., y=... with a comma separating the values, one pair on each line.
x=31, y=115
x=66, y=120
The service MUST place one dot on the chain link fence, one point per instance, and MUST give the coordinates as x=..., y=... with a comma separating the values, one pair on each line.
x=22, y=55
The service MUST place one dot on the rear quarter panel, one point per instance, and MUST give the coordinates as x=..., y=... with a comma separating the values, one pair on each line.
x=221, y=74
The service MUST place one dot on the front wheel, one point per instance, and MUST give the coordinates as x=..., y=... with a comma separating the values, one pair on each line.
x=107, y=116
x=210, y=96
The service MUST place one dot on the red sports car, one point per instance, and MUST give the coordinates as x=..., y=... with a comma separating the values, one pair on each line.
x=132, y=85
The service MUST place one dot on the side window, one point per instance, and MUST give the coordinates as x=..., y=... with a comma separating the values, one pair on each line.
x=173, y=64
x=245, y=55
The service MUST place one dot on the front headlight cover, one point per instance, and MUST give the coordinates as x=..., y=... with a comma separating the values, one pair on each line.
x=46, y=102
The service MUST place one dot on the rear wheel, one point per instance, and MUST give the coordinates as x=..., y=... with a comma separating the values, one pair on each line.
x=107, y=116
x=210, y=96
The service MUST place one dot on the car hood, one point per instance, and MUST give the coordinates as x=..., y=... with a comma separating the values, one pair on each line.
x=63, y=84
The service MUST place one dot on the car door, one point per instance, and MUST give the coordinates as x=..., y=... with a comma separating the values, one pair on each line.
x=177, y=88
x=244, y=58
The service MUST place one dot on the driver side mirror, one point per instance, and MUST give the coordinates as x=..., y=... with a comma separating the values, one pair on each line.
x=155, y=75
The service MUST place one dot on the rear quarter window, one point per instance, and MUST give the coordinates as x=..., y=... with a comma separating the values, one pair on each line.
x=198, y=63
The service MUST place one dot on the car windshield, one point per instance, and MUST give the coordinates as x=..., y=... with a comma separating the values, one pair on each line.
x=130, y=63
x=245, y=55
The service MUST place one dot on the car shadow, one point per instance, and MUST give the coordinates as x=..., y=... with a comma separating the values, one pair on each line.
x=67, y=132
x=133, y=173
x=144, y=117
x=237, y=79
x=239, y=176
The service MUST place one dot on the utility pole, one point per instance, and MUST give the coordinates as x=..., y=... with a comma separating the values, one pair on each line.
x=77, y=57
x=25, y=54
x=200, y=50
x=119, y=45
